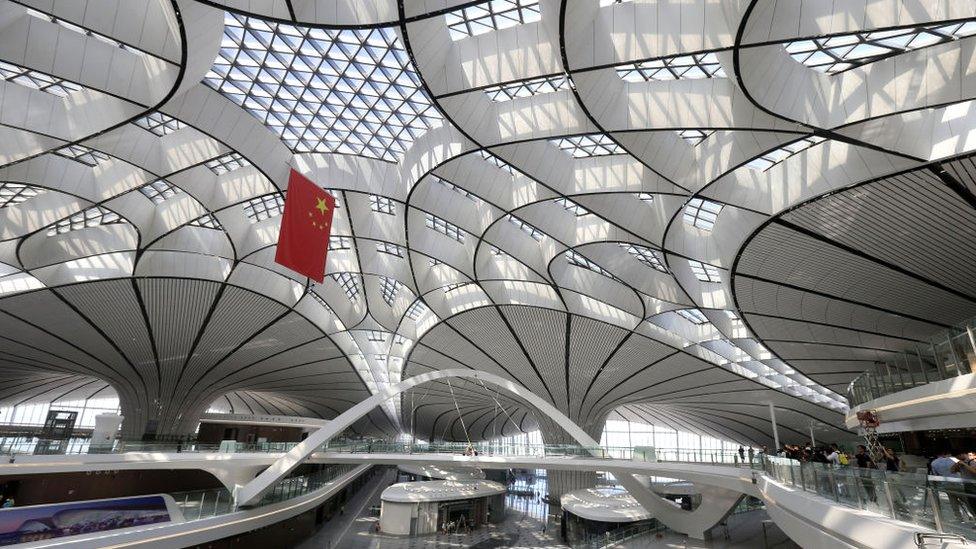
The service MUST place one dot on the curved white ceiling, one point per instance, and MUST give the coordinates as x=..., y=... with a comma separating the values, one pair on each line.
x=672, y=213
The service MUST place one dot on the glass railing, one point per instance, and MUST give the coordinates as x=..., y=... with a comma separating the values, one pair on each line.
x=943, y=504
x=947, y=355
x=13, y=446
x=201, y=504
x=637, y=453
x=617, y=536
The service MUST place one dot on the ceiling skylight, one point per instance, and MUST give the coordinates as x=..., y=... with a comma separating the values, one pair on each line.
x=704, y=272
x=527, y=88
x=497, y=162
x=572, y=207
x=159, y=123
x=390, y=248
x=444, y=227
x=15, y=193
x=678, y=67
x=159, y=191
x=227, y=163
x=584, y=146
x=702, y=213
x=532, y=231
x=837, y=53
x=340, y=243
x=389, y=288
x=324, y=90
x=207, y=222
x=264, y=207
x=490, y=16
x=382, y=204
x=416, y=310
x=647, y=256
x=348, y=283
x=694, y=316
x=78, y=153
x=92, y=217
x=37, y=80
x=574, y=258
x=694, y=137
x=776, y=156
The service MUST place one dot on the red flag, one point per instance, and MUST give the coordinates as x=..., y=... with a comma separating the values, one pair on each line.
x=303, y=241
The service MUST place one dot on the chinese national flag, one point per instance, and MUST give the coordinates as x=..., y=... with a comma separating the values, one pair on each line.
x=303, y=241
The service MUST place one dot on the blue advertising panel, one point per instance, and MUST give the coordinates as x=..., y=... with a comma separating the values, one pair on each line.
x=39, y=522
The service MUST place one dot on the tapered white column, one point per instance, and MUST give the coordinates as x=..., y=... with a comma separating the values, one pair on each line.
x=772, y=418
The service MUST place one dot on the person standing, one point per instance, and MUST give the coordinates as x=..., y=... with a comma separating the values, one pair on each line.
x=833, y=457
x=752, y=454
x=942, y=466
x=967, y=471
x=742, y=453
x=865, y=464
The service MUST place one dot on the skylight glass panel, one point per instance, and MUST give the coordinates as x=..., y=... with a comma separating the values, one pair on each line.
x=490, y=16
x=339, y=243
x=207, y=222
x=694, y=137
x=646, y=197
x=390, y=248
x=159, y=123
x=351, y=91
x=704, y=272
x=382, y=204
x=731, y=315
x=776, y=156
x=227, y=163
x=159, y=191
x=16, y=193
x=444, y=227
x=532, y=231
x=527, y=88
x=585, y=146
x=702, y=213
x=694, y=316
x=264, y=207
x=376, y=336
x=572, y=207
x=455, y=286
x=840, y=52
x=496, y=251
x=399, y=340
x=497, y=162
x=647, y=256
x=37, y=80
x=347, y=281
x=432, y=262
x=416, y=310
x=677, y=67
x=389, y=288
x=92, y=217
x=455, y=188
x=78, y=153
x=574, y=258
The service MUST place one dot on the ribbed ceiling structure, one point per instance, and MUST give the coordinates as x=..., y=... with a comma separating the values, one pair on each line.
x=672, y=212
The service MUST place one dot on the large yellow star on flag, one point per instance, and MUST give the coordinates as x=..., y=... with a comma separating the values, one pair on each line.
x=321, y=206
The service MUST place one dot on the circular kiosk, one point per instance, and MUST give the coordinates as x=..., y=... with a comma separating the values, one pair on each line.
x=593, y=512
x=411, y=472
x=428, y=507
